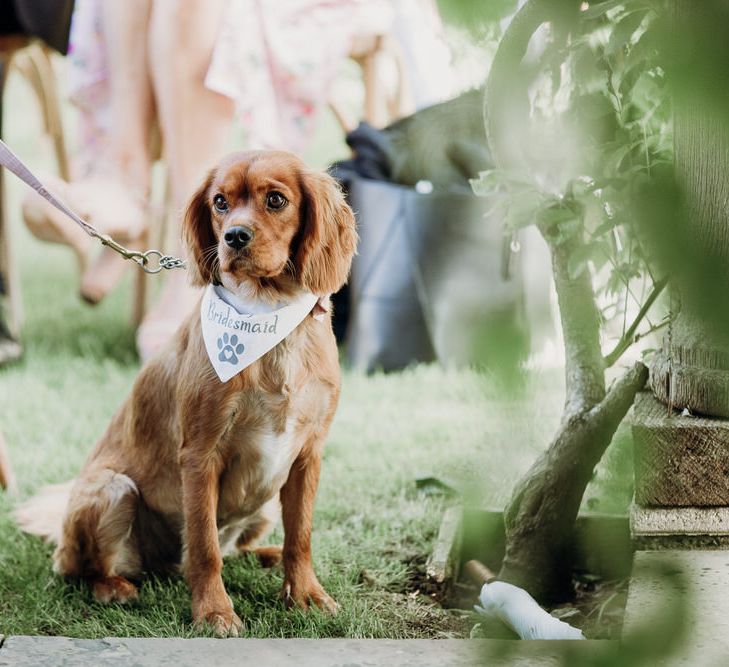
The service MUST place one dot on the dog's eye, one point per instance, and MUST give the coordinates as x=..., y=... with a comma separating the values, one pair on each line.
x=221, y=206
x=275, y=200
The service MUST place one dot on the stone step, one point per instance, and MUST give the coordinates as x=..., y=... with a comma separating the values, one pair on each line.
x=22, y=651
x=677, y=611
x=679, y=527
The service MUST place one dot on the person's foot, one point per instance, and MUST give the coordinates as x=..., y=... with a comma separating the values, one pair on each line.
x=108, y=206
x=176, y=301
x=47, y=223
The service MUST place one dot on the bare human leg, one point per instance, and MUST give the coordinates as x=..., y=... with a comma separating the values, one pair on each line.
x=132, y=115
x=195, y=124
x=112, y=191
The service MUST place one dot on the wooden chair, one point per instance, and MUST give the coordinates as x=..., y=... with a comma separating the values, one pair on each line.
x=32, y=59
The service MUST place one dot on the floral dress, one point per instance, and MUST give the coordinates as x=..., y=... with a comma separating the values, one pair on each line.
x=276, y=59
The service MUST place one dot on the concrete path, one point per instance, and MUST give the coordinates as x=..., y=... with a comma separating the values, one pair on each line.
x=678, y=603
x=52, y=651
x=677, y=615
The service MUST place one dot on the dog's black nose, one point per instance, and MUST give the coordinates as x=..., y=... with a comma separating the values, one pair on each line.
x=238, y=237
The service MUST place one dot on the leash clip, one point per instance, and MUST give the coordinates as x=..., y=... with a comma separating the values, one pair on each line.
x=162, y=262
x=143, y=259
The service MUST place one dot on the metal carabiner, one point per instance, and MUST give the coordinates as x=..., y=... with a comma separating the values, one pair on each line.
x=115, y=246
x=163, y=261
x=144, y=261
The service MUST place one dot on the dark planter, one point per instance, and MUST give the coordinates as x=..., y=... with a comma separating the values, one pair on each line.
x=430, y=281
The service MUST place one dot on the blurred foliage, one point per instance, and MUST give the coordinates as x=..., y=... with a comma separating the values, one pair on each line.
x=683, y=212
x=475, y=16
x=592, y=126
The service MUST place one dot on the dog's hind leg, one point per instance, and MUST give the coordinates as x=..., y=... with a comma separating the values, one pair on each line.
x=97, y=539
x=256, y=529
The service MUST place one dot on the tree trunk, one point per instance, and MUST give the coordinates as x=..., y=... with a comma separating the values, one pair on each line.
x=540, y=516
x=580, y=319
x=541, y=513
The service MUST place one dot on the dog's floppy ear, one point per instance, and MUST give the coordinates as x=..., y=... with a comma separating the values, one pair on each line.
x=328, y=238
x=197, y=232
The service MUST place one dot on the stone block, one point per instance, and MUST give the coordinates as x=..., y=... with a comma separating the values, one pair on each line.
x=680, y=461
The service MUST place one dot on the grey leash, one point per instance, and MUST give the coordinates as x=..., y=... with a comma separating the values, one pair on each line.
x=151, y=261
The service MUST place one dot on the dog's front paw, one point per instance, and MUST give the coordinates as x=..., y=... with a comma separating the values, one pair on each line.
x=220, y=617
x=224, y=622
x=304, y=593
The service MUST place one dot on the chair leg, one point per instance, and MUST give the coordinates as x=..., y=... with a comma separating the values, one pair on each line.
x=139, y=296
x=35, y=65
x=7, y=479
x=9, y=279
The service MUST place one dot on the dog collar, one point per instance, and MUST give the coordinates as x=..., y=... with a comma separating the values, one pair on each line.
x=237, y=332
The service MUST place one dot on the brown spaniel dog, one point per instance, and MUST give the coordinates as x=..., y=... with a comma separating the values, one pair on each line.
x=191, y=467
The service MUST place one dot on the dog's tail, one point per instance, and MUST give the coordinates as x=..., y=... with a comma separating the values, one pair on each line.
x=42, y=514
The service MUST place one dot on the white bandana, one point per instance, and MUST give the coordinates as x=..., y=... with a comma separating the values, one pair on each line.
x=237, y=333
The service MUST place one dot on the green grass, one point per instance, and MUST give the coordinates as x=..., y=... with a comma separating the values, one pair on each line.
x=373, y=527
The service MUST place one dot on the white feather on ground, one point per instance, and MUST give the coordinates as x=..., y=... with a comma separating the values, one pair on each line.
x=520, y=611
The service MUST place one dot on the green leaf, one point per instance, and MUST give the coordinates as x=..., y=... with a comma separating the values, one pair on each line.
x=488, y=183
x=613, y=161
x=601, y=255
x=555, y=215
x=577, y=262
x=623, y=31
x=594, y=105
x=644, y=51
x=474, y=14
x=598, y=9
x=567, y=230
x=647, y=93
x=603, y=228
x=523, y=206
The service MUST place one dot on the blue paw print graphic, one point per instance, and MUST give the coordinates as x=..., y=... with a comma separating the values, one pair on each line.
x=229, y=348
